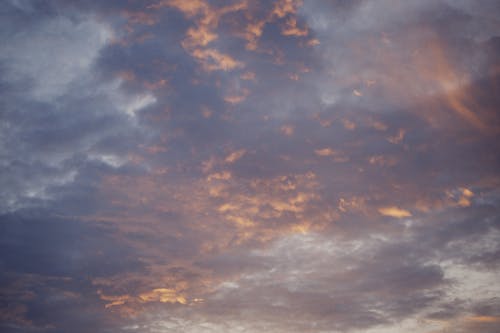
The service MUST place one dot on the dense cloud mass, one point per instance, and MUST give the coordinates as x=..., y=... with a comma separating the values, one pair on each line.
x=249, y=166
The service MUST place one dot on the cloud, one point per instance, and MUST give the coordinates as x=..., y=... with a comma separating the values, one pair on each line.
x=394, y=212
x=234, y=156
x=58, y=53
x=216, y=166
x=57, y=109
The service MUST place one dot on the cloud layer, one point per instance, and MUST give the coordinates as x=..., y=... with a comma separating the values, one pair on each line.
x=249, y=166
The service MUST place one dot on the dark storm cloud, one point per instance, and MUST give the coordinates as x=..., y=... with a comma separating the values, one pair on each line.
x=213, y=166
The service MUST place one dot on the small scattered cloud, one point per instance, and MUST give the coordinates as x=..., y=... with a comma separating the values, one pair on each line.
x=394, y=211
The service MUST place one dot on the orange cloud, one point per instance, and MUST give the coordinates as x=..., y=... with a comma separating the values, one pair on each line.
x=113, y=300
x=284, y=7
x=422, y=76
x=448, y=81
x=237, y=98
x=352, y=204
x=464, y=200
x=398, y=138
x=484, y=319
x=252, y=33
x=224, y=175
x=189, y=8
x=225, y=210
x=325, y=152
x=235, y=155
x=338, y=156
x=313, y=42
x=163, y=295
x=348, y=124
x=393, y=211
x=198, y=36
x=287, y=130
x=206, y=20
x=379, y=126
x=291, y=28
x=212, y=60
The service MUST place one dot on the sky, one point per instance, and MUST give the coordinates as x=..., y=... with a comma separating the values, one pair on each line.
x=248, y=166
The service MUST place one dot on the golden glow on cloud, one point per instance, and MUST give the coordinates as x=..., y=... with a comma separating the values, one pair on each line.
x=394, y=211
x=198, y=37
x=114, y=300
x=398, y=138
x=338, y=156
x=291, y=28
x=237, y=98
x=212, y=60
x=348, y=124
x=235, y=155
x=228, y=212
x=484, y=319
x=163, y=295
x=450, y=82
x=284, y=7
x=252, y=33
x=325, y=152
x=423, y=75
x=287, y=130
x=379, y=126
x=189, y=8
x=313, y=42
x=223, y=175
x=464, y=200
